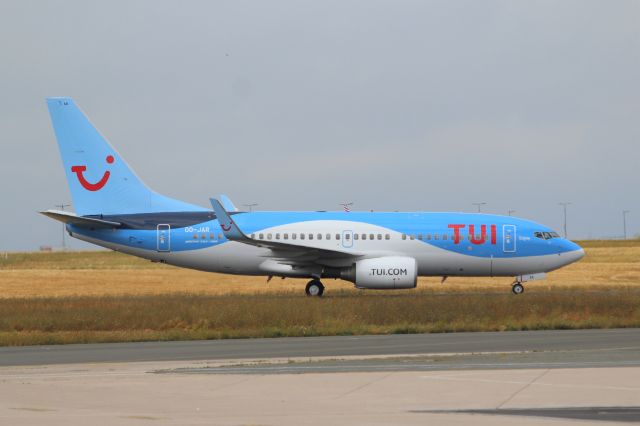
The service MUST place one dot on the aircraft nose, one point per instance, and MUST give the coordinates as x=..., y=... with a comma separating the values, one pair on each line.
x=572, y=252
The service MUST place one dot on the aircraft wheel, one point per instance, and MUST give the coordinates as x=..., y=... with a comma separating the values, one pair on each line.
x=314, y=288
x=517, y=288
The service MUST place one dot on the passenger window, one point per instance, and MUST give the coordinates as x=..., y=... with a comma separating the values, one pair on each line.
x=420, y=237
x=269, y=236
x=404, y=236
x=355, y=236
x=338, y=237
x=261, y=236
x=277, y=236
x=294, y=236
x=371, y=236
x=220, y=236
x=301, y=236
x=428, y=236
x=213, y=236
x=285, y=236
x=436, y=236
x=364, y=236
x=195, y=236
x=252, y=236
x=328, y=236
x=379, y=236
x=347, y=237
x=411, y=237
x=311, y=236
x=387, y=237
x=319, y=236
x=444, y=236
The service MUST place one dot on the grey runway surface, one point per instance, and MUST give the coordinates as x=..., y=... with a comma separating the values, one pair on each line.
x=619, y=341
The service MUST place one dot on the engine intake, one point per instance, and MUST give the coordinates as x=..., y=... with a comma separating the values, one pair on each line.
x=390, y=272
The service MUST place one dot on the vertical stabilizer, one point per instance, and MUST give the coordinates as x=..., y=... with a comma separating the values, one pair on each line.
x=100, y=181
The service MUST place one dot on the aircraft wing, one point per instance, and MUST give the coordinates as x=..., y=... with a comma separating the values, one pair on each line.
x=284, y=253
x=87, y=222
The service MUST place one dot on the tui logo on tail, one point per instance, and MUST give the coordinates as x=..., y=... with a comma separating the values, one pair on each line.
x=79, y=170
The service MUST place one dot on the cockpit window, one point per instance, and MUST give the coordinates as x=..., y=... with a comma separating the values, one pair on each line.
x=546, y=235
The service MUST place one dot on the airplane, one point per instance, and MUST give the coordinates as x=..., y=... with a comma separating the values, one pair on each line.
x=373, y=250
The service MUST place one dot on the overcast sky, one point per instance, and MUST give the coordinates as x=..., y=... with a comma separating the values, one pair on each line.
x=394, y=105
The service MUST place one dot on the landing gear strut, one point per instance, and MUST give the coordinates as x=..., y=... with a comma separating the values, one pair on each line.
x=517, y=288
x=314, y=288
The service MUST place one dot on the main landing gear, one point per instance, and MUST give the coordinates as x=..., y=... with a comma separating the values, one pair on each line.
x=314, y=288
x=517, y=288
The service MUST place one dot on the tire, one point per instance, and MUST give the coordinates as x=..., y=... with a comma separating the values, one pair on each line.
x=314, y=288
x=517, y=288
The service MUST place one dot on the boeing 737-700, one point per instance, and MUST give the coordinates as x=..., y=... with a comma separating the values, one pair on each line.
x=373, y=250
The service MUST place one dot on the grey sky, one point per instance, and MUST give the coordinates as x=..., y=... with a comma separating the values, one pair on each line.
x=395, y=105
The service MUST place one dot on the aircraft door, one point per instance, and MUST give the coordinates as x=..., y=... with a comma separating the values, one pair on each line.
x=509, y=238
x=164, y=237
x=347, y=239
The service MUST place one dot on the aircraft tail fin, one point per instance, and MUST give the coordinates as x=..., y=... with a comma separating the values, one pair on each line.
x=99, y=179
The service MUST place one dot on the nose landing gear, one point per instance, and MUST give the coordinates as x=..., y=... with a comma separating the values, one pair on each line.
x=517, y=288
x=314, y=288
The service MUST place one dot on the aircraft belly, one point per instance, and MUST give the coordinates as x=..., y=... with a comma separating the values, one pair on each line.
x=435, y=261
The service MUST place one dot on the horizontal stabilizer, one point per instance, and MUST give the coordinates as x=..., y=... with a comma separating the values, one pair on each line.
x=72, y=218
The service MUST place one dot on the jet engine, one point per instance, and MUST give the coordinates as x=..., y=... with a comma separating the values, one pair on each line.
x=390, y=272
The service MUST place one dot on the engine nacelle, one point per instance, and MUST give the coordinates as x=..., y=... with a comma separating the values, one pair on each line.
x=391, y=272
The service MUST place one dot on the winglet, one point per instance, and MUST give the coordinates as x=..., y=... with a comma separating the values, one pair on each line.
x=229, y=227
x=227, y=203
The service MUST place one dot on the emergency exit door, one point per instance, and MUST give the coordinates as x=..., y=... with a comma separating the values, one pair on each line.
x=508, y=238
x=164, y=237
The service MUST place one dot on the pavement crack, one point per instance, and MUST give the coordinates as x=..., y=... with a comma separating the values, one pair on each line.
x=364, y=385
x=532, y=381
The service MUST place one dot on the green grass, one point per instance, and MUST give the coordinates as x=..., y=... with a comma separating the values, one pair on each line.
x=183, y=317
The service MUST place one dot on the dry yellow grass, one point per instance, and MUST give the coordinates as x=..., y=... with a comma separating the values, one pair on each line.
x=607, y=264
x=108, y=297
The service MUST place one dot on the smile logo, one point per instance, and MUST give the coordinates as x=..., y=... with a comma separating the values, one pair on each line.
x=225, y=228
x=79, y=170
